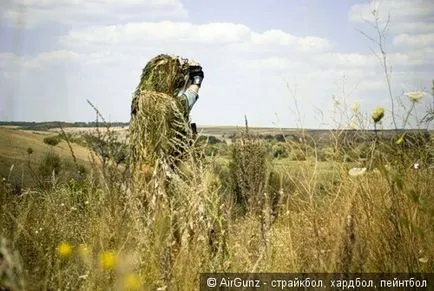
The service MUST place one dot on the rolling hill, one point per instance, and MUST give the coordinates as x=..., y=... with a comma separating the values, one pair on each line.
x=14, y=157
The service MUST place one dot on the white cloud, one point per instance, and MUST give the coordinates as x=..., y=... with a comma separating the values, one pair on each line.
x=54, y=57
x=399, y=10
x=369, y=61
x=142, y=33
x=418, y=40
x=346, y=60
x=414, y=57
x=309, y=44
x=10, y=62
x=8, y=59
x=128, y=33
x=314, y=44
x=371, y=85
x=220, y=32
x=414, y=27
x=81, y=12
x=273, y=37
x=276, y=63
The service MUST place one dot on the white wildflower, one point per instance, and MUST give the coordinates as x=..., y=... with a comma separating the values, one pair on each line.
x=415, y=96
x=376, y=171
x=355, y=108
x=83, y=277
x=356, y=171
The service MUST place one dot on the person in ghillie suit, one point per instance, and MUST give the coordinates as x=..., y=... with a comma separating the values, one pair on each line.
x=161, y=136
x=160, y=128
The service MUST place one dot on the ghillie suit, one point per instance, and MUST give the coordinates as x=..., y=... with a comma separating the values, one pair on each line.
x=160, y=139
x=160, y=130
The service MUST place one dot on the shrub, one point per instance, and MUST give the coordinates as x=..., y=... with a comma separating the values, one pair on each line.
x=107, y=147
x=297, y=154
x=51, y=162
x=52, y=140
x=280, y=138
x=280, y=151
x=248, y=172
x=268, y=137
x=213, y=140
x=211, y=150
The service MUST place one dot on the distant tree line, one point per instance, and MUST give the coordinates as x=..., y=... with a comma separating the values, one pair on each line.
x=55, y=124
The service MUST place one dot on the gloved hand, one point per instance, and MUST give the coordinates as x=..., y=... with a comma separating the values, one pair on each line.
x=196, y=75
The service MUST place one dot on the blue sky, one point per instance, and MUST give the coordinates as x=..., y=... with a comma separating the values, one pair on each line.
x=261, y=58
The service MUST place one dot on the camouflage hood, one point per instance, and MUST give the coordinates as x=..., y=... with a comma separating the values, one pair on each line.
x=165, y=74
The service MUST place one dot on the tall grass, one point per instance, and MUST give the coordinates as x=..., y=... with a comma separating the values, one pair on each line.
x=380, y=221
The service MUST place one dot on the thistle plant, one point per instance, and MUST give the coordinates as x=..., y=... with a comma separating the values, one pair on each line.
x=378, y=114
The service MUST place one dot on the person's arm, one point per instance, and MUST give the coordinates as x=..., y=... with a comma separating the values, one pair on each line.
x=194, y=88
x=196, y=77
x=191, y=95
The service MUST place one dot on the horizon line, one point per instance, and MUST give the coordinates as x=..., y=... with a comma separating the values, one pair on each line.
x=2, y=122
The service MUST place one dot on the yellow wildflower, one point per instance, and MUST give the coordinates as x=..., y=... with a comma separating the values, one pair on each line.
x=64, y=249
x=400, y=139
x=131, y=281
x=378, y=114
x=108, y=260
